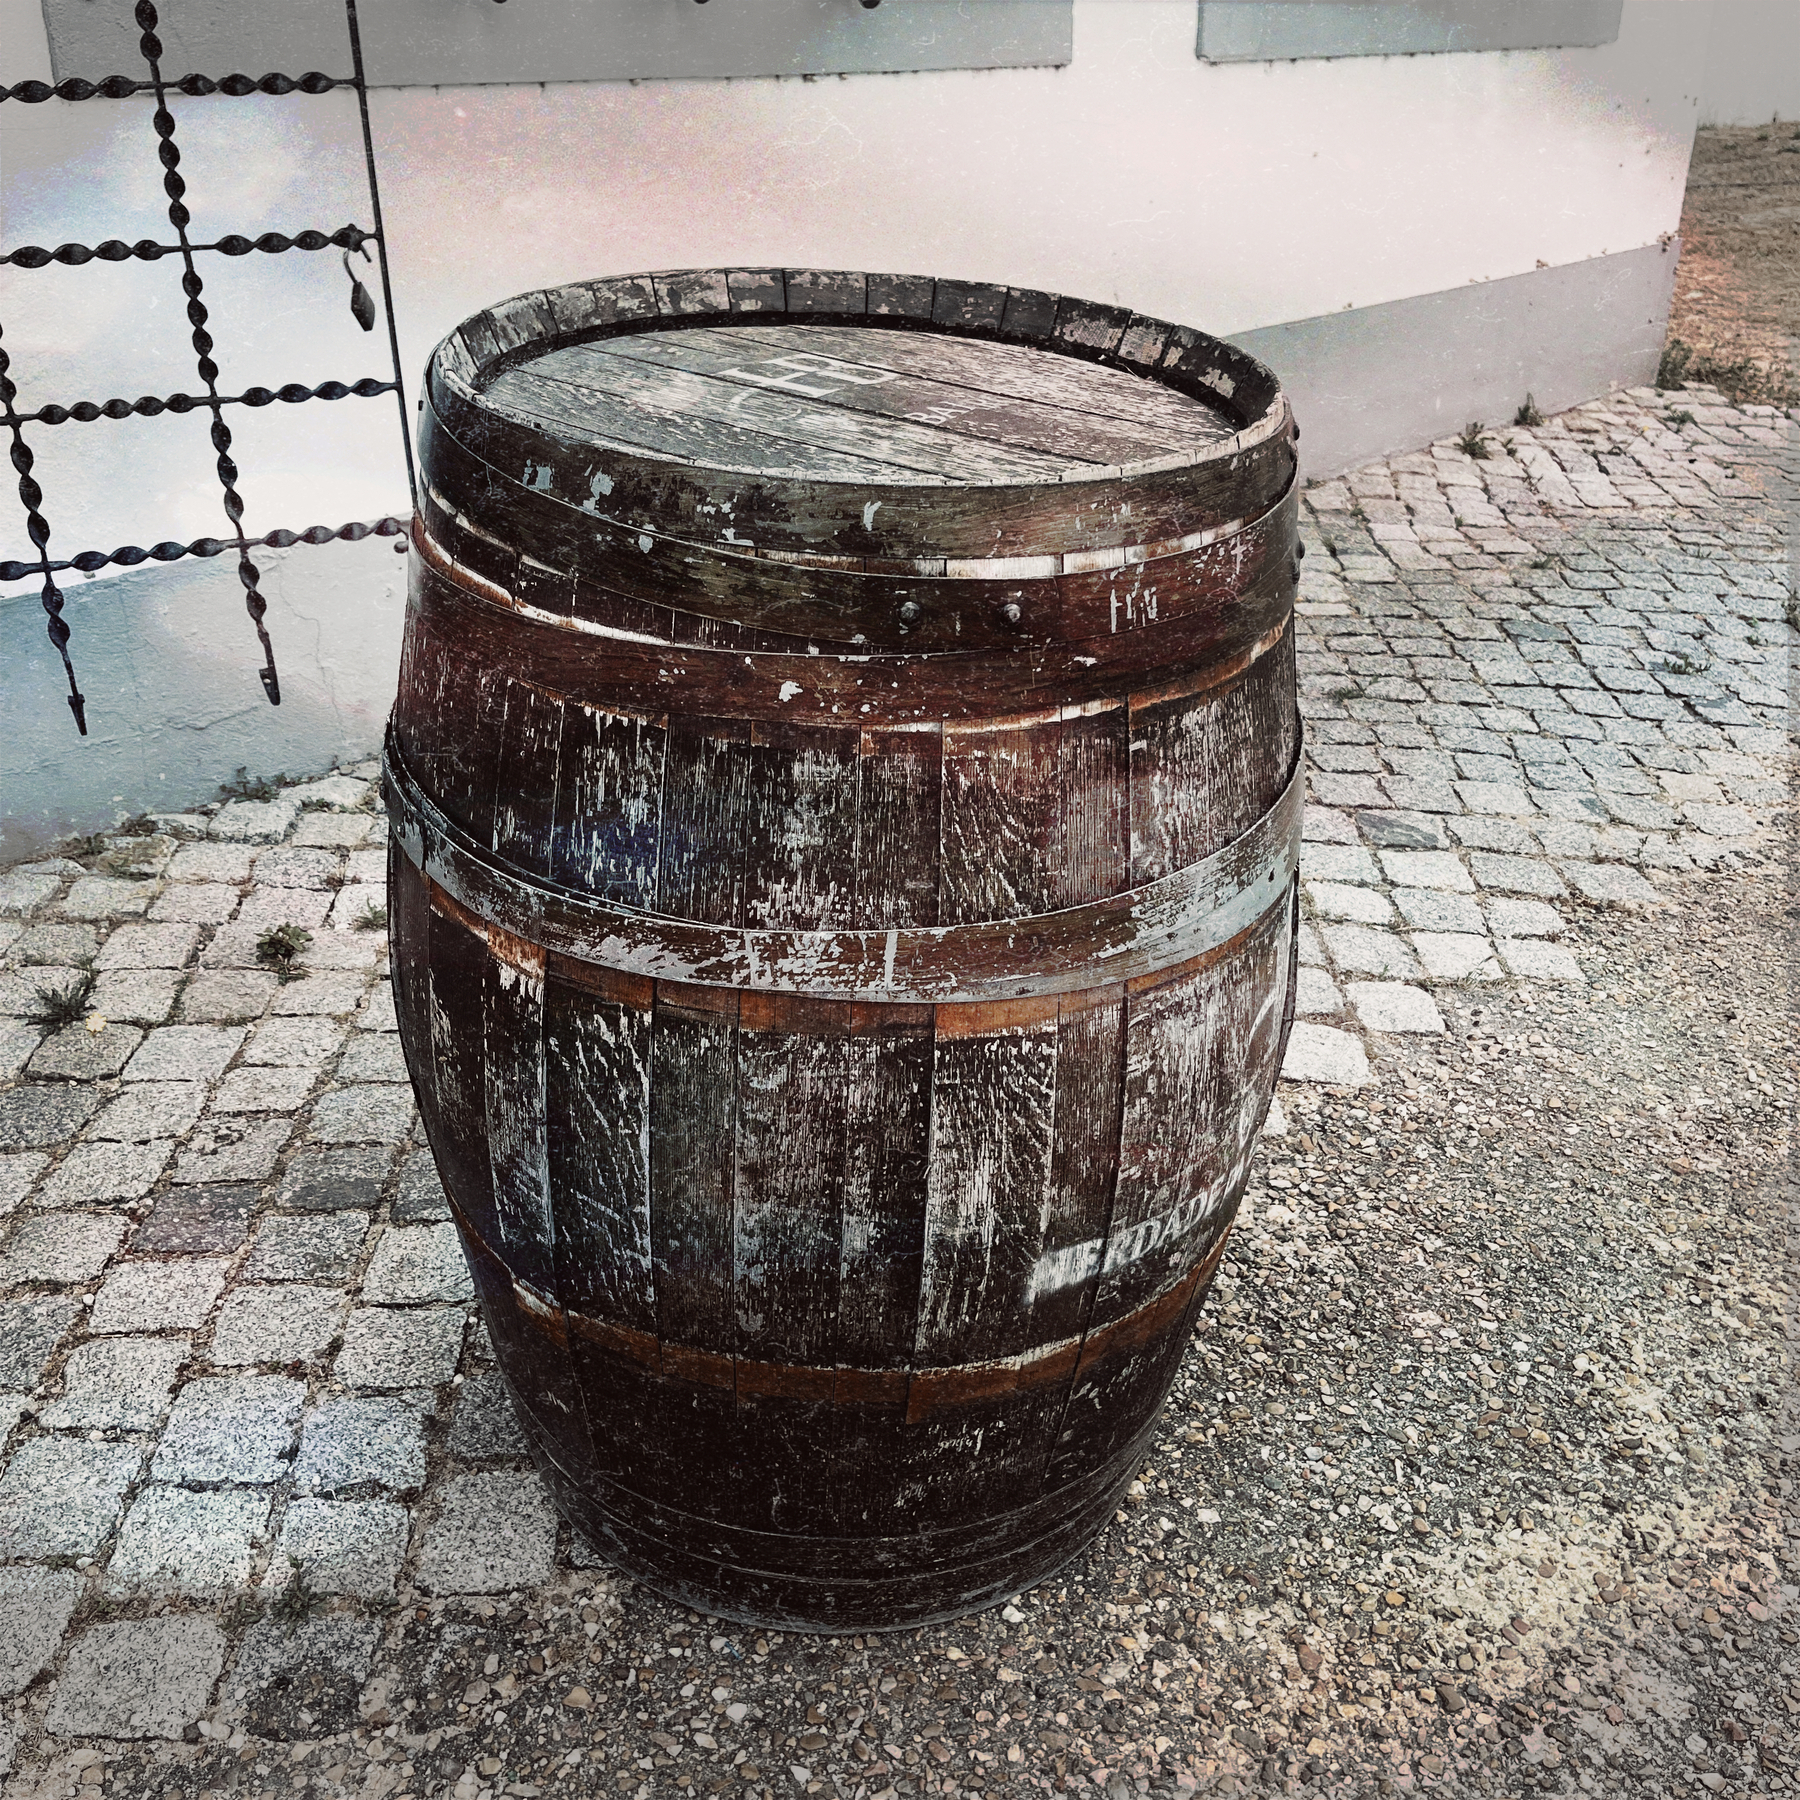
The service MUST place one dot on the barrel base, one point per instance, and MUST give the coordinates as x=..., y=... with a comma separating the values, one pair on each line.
x=784, y=1601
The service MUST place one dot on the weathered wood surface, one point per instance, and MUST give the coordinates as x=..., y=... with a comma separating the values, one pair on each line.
x=665, y=543
x=843, y=1009
x=1196, y=653
x=1037, y=417
x=1016, y=955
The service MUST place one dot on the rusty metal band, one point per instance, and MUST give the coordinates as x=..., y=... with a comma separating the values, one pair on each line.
x=922, y=1393
x=1131, y=935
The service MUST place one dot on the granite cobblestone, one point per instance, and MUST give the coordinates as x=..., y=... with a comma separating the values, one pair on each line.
x=1547, y=683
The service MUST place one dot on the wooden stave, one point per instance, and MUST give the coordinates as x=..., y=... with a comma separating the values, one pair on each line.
x=468, y=957
x=557, y=1417
x=697, y=1577
x=1134, y=938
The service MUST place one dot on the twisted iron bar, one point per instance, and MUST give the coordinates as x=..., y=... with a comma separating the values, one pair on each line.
x=380, y=236
x=148, y=406
x=123, y=87
x=130, y=555
x=348, y=238
x=169, y=154
x=37, y=527
x=271, y=243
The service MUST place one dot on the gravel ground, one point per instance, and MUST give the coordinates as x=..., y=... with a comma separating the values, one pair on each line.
x=1471, y=1485
x=1473, y=1481
x=1737, y=289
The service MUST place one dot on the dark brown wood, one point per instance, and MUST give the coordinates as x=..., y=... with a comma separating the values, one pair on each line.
x=597, y=1062
x=1197, y=653
x=645, y=576
x=844, y=833
x=693, y=1135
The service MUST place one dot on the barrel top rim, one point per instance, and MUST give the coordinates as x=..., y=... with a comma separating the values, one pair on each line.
x=1217, y=375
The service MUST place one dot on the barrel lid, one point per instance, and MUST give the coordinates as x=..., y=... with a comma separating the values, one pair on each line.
x=828, y=412
x=854, y=403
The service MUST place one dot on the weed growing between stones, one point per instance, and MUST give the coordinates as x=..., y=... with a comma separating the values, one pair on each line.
x=297, y=1602
x=245, y=1610
x=1684, y=664
x=1528, y=414
x=280, y=947
x=66, y=1004
x=1473, y=442
x=242, y=786
x=371, y=918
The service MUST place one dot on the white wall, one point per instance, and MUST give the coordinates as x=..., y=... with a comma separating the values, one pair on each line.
x=1228, y=196
x=1752, y=63
x=1231, y=197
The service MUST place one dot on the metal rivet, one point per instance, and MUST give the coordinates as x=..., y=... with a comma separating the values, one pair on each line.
x=910, y=612
x=1299, y=551
x=1011, y=612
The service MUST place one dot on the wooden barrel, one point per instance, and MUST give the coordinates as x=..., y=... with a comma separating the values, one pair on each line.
x=846, y=813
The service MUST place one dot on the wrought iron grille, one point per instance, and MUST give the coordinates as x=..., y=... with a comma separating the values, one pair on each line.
x=348, y=239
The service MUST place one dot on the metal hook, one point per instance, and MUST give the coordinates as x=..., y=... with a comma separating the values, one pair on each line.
x=362, y=307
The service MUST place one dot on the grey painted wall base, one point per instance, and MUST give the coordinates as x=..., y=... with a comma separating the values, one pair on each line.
x=461, y=43
x=168, y=662
x=1374, y=380
x=1246, y=31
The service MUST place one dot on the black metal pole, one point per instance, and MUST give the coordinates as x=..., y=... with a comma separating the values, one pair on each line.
x=381, y=249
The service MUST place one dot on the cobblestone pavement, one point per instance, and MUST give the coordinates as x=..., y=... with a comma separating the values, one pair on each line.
x=1471, y=1482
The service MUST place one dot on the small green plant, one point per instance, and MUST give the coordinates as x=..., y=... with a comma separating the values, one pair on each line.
x=1473, y=441
x=91, y=845
x=98, y=1609
x=245, y=1609
x=280, y=948
x=139, y=825
x=1528, y=414
x=1790, y=610
x=242, y=787
x=297, y=1602
x=1352, y=692
x=1737, y=378
x=1549, y=560
x=371, y=918
x=1681, y=416
x=66, y=1004
x=1680, y=663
